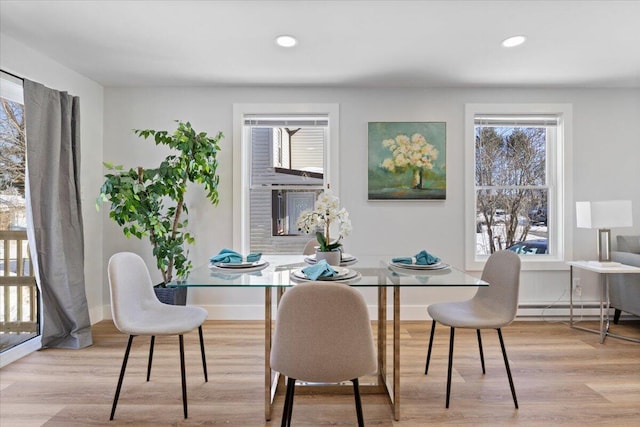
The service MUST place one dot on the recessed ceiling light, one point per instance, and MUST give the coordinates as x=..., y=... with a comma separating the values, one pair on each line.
x=514, y=41
x=286, y=41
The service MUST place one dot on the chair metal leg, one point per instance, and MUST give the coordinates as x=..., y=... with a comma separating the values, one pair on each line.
x=481, y=352
x=356, y=393
x=122, y=369
x=616, y=316
x=453, y=330
x=426, y=366
x=204, y=359
x=293, y=392
x=506, y=364
x=184, y=377
x=288, y=403
x=153, y=340
x=285, y=408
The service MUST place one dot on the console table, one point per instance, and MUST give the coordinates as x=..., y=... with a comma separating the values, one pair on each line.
x=603, y=270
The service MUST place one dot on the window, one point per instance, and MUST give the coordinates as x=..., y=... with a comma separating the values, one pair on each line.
x=517, y=183
x=287, y=173
x=285, y=162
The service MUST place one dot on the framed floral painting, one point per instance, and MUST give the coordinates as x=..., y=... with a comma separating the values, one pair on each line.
x=407, y=161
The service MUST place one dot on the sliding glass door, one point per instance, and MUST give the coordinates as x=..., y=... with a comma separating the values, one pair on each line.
x=18, y=291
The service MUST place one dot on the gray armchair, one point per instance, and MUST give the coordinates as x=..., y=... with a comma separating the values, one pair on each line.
x=624, y=289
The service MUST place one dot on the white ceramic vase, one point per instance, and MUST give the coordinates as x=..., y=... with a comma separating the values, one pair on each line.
x=333, y=258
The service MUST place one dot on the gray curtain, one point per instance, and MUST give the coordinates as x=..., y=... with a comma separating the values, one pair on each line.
x=52, y=122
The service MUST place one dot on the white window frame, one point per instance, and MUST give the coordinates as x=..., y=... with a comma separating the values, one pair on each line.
x=242, y=157
x=560, y=182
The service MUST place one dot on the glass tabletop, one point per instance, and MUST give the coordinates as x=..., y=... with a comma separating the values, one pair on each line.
x=367, y=271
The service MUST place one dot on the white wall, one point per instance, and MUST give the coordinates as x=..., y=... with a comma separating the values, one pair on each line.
x=25, y=62
x=606, y=150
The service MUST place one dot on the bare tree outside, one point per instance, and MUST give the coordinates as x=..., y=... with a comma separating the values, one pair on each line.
x=12, y=164
x=18, y=290
x=12, y=147
x=511, y=194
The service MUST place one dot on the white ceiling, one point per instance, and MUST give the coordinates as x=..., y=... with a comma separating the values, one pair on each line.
x=341, y=43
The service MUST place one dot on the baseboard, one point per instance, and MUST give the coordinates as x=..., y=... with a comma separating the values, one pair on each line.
x=221, y=312
x=557, y=311
x=531, y=311
x=528, y=311
x=99, y=313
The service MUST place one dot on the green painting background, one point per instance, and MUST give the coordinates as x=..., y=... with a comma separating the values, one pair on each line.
x=386, y=185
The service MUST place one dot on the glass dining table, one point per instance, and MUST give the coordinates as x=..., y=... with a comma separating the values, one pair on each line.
x=279, y=272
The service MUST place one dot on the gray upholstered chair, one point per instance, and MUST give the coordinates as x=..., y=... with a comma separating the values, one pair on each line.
x=492, y=307
x=624, y=289
x=137, y=311
x=322, y=334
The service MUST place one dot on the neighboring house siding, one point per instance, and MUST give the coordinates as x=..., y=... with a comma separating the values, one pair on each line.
x=306, y=150
x=262, y=171
x=260, y=204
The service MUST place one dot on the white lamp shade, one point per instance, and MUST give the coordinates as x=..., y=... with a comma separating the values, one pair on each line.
x=606, y=214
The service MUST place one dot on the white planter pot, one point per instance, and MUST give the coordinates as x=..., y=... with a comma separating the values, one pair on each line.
x=333, y=258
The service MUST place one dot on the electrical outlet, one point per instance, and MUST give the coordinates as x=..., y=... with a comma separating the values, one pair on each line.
x=577, y=287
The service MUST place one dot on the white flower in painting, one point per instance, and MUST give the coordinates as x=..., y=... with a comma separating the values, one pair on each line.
x=402, y=140
x=389, y=165
x=418, y=138
x=401, y=161
x=430, y=151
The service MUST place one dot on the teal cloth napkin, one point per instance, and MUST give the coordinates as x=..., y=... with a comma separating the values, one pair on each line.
x=233, y=257
x=319, y=269
x=422, y=258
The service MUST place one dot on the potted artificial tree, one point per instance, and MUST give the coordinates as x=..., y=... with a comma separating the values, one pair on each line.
x=151, y=202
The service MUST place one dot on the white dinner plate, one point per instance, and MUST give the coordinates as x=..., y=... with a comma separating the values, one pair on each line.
x=354, y=277
x=236, y=265
x=438, y=266
x=342, y=274
x=237, y=271
x=417, y=273
x=346, y=259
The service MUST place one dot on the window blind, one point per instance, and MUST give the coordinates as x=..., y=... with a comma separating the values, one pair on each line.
x=290, y=120
x=517, y=120
x=11, y=88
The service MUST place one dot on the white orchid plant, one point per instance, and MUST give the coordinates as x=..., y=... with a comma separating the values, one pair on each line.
x=327, y=211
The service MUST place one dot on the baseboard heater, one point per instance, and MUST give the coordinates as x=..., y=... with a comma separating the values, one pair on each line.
x=581, y=310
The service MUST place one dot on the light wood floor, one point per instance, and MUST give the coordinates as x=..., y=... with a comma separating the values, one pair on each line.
x=563, y=377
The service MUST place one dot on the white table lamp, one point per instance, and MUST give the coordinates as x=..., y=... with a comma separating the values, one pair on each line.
x=604, y=216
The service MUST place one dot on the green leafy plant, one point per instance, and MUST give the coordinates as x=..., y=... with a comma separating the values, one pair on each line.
x=324, y=245
x=151, y=202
